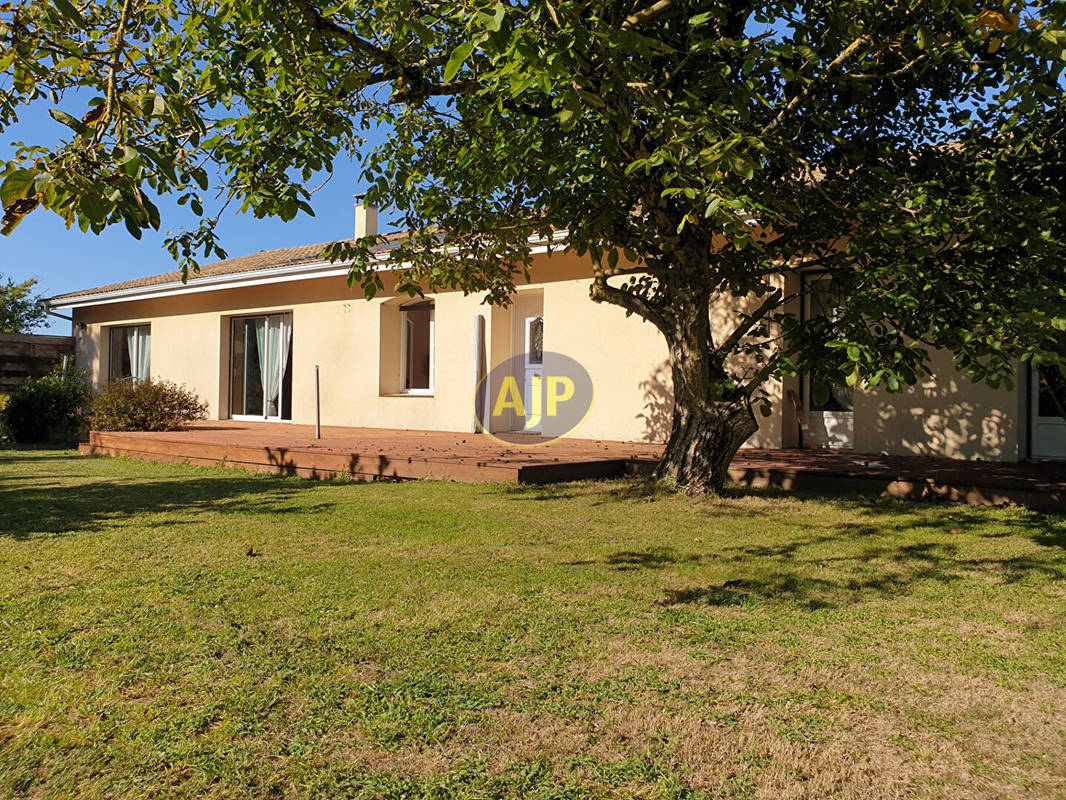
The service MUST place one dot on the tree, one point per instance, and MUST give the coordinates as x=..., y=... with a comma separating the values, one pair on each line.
x=19, y=312
x=698, y=151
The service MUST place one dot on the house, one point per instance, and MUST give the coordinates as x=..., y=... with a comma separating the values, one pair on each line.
x=248, y=335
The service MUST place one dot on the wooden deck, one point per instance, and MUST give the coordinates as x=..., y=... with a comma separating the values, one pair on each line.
x=368, y=454
x=378, y=454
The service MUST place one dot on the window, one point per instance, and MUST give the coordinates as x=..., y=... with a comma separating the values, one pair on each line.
x=261, y=367
x=416, y=348
x=535, y=340
x=131, y=353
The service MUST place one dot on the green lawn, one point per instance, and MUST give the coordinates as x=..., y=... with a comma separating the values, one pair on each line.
x=181, y=632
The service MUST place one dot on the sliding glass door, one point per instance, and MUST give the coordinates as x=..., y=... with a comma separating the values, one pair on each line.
x=1047, y=417
x=261, y=368
x=830, y=408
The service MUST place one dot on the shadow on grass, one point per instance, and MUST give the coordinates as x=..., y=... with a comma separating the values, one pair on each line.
x=653, y=558
x=45, y=502
x=836, y=569
x=883, y=547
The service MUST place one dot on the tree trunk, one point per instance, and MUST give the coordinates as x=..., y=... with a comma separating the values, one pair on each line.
x=703, y=441
x=712, y=415
x=712, y=418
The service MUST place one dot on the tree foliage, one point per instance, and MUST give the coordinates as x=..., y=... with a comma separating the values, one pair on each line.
x=20, y=310
x=912, y=149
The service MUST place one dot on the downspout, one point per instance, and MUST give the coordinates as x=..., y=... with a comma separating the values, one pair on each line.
x=48, y=310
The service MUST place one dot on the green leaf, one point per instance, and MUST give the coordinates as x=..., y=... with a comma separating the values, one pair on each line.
x=128, y=154
x=493, y=21
x=16, y=186
x=459, y=56
x=74, y=124
x=68, y=10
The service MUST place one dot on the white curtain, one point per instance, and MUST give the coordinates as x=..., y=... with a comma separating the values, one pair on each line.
x=262, y=341
x=285, y=330
x=273, y=358
x=139, y=349
x=144, y=354
x=131, y=351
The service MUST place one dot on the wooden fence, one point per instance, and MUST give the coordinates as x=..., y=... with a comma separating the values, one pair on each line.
x=24, y=355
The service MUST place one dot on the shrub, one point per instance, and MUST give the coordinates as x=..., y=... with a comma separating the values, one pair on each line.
x=148, y=405
x=50, y=409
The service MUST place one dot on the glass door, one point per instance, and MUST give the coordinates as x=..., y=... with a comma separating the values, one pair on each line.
x=261, y=368
x=830, y=419
x=1047, y=413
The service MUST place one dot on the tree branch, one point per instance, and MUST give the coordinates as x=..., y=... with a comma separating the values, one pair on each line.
x=112, y=73
x=314, y=18
x=847, y=53
x=760, y=377
x=772, y=301
x=603, y=292
x=646, y=14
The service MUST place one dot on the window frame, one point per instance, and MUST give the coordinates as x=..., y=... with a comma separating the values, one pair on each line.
x=134, y=357
x=286, y=320
x=404, y=340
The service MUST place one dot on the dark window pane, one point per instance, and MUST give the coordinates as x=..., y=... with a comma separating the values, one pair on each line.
x=1052, y=397
x=417, y=322
x=253, y=392
x=536, y=341
x=237, y=361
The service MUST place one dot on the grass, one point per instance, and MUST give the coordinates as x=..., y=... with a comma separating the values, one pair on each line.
x=182, y=632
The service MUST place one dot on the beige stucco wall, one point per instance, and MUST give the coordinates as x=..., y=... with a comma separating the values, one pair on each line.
x=356, y=345
x=946, y=414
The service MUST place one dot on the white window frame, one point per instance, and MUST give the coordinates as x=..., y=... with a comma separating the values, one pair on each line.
x=286, y=319
x=135, y=357
x=404, y=323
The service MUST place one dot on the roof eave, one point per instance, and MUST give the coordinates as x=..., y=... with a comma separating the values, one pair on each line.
x=233, y=280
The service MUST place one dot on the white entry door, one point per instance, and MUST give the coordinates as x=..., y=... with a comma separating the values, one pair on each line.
x=534, y=377
x=830, y=420
x=1048, y=414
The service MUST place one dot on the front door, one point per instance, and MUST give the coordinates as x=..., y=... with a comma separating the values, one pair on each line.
x=1048, y=413
x=828, y=402
x=534, y=364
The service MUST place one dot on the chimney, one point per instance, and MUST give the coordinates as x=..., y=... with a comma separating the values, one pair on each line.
x=366, y=218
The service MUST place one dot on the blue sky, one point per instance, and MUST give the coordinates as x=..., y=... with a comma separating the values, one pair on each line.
x=64, y=260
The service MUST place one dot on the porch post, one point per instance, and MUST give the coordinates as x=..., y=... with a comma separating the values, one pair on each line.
x=479, y=390
x=318, y=408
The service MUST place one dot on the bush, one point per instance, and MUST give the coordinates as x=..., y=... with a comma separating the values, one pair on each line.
x=148, y=405
x=50, y=409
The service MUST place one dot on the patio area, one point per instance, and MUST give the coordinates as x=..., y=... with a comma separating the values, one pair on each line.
x=368, y=454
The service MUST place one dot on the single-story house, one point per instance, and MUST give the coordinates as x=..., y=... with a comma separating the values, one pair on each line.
x=247, y=335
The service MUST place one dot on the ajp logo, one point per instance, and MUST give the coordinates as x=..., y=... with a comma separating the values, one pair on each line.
x=533, y=399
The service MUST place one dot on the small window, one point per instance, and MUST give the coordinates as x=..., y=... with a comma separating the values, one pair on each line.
x=131, y=353
x=416, y=351
x=535, y=341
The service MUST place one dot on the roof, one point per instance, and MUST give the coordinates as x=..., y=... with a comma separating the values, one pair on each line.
x=264, y=260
